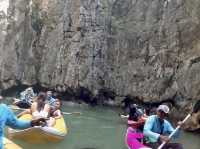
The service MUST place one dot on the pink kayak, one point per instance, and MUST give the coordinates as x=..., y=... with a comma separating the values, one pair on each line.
x=132, y=139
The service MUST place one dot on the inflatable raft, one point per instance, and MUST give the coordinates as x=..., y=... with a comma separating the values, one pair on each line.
x=40, y=134
x=8, y=144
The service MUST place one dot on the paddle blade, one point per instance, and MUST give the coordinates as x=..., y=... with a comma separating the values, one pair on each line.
x=67, y=113
x=196, y=107
x=123, y=116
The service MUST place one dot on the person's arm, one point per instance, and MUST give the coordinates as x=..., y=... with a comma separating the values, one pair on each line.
x=1, y=142
x=47, y=108
x=170, y=129
x=59, y=115
x=148, y=129
x=13, y=122
x=27, y=111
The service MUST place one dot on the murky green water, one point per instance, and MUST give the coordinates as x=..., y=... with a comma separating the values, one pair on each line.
x=98, y=128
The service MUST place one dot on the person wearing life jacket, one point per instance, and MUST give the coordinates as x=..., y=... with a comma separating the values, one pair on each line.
x=157, y=129
x=134, y=133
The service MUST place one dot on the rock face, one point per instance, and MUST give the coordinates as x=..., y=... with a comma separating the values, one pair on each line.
x=138, y=47
x=193, y=123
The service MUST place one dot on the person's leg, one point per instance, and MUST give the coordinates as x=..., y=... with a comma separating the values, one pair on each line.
x=153, y=145
x=173, y=146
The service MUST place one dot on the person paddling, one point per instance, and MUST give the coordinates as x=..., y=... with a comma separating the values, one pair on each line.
x=8, y=118
x=157, y=129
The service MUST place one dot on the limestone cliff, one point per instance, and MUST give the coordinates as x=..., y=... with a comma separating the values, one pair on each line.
x=139, y=47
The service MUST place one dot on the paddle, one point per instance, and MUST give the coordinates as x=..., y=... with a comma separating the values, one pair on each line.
x=65, y=113
x=123, y=116
x=69, y=113
x=195, y=109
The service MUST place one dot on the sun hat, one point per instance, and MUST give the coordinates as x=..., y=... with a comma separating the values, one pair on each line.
x=163, y=108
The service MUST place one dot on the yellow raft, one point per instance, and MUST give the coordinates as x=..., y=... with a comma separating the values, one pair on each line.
x=39, y=134
x=9, y=144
